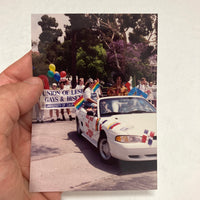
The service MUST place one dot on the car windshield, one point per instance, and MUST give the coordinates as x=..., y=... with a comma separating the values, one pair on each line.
x=126, y=105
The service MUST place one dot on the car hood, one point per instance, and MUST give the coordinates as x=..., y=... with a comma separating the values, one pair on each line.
x=130, y=124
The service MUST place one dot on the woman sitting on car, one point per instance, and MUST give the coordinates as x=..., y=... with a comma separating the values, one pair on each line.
x=89, y=95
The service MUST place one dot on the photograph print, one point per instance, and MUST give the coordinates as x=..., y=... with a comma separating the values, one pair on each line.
x=94, y=125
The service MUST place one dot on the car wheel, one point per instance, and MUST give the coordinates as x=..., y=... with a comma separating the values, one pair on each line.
x=78, y=129
x=104, y=150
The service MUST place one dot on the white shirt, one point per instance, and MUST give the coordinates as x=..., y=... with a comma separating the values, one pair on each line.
x=154, y=91
x=67, y=87
x=150, y=95
x=88, y=93
x=98, y=91
x=143, y=88
x=80, y=87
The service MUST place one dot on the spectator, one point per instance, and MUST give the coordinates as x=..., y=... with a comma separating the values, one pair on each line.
x=81, y=84
x=54, y=87
x=62, y=84
x=150, y=97
x=67, y=85
x=142, y=85
x=39, y=113
x=118, y=89
x=154, y=91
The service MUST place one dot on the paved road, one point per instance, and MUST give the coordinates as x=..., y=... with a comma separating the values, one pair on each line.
x=62, y=161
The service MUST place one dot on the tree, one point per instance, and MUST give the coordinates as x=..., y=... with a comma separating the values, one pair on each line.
x=135, y=65
x=91, y=63
x=129, y=39
x=77, y=35
x=115, y=27
x=49, y=46
x=49, y=34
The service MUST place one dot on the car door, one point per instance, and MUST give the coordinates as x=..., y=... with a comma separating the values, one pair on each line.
x=91, y=128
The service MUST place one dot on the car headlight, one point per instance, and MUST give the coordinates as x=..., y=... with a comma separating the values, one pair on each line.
x=128, y=138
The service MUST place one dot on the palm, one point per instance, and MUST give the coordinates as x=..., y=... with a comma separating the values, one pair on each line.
x=15, y=147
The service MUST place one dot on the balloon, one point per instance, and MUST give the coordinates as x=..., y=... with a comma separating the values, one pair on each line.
x=50, y=74
x=52, y=67
x=63, y=74
x=56, y=72
x=57, y=77
x=45, y=81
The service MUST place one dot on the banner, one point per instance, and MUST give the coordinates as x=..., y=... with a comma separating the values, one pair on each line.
x=55, y=99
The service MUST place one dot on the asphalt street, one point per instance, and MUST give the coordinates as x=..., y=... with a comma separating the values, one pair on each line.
x=62, y=161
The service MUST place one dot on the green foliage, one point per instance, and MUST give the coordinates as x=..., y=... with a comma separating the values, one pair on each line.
x=91, y=65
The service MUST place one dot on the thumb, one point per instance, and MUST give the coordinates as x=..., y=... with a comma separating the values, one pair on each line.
x=16, y=100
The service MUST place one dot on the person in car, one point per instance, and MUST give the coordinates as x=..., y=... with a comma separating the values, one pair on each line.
x=105, y=107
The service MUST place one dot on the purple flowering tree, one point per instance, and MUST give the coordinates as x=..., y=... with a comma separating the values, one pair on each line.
x=127, y=38
x=129, y=57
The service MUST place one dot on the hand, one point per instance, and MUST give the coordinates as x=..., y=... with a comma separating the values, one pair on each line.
x=19, y=91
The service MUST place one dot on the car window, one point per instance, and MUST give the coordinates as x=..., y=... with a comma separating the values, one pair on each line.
x=124, y=106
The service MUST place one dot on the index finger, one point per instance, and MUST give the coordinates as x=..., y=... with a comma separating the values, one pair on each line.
x=18, y=71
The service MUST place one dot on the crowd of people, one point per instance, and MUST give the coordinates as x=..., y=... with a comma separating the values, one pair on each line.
x=148, y=88
x=90, y=97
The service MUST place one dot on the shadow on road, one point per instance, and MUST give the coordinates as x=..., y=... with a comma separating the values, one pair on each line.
x=43, y=152
x=118, y=168
x=134, y=167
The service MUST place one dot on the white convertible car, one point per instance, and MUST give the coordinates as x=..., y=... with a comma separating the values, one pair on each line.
x=122, y=127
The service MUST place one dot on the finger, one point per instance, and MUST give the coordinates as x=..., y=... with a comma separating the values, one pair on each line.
x=45, y=196
x=53, y=195
x=18, y=71
x=41, y=196
x=17, y=100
